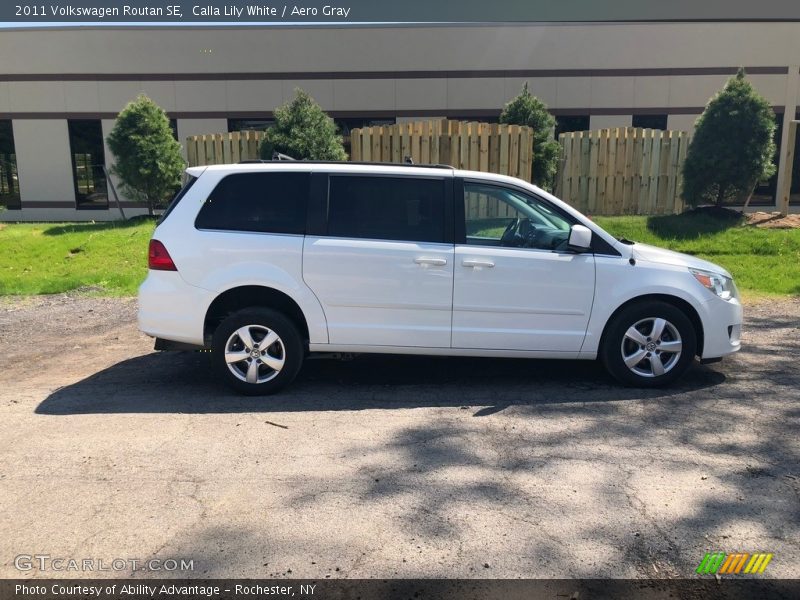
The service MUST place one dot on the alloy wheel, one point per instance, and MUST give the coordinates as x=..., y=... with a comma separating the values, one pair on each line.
x=255, y=354
x=651, y=347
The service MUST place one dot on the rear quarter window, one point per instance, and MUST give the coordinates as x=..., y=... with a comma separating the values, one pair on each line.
x=260, y=202
x=181, y=193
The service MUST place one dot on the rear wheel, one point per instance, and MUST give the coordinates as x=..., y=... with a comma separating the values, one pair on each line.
x=649, y=344
x=257, y=351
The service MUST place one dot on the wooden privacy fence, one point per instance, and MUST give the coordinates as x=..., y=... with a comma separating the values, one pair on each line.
x=505, y=149
x=490, y=147
x=622, y=171
x=223, y=148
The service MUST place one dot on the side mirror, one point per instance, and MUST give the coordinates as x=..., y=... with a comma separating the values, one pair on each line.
x=580, y=238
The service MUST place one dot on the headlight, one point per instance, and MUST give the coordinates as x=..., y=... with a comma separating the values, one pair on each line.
x=719, y=284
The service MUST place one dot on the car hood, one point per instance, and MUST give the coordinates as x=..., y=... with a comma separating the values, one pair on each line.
x=655, y=254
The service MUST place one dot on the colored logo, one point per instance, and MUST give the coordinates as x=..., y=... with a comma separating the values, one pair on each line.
x=733, y=564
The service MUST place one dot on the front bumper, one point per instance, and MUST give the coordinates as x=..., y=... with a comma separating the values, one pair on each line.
x=722, y=327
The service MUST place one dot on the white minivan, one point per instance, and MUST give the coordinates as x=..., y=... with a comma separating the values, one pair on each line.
x=265, y=263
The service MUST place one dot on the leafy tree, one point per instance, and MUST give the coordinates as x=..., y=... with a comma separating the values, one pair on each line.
x=148, y=159
x=302, y=130
x=732, y=147
x=527, y=109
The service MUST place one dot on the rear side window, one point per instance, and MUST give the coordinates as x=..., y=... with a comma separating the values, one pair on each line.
x=386, y=208
x=263, y=202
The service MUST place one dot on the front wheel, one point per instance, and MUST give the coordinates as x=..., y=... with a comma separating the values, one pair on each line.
x=257, y=351
x=649, y=344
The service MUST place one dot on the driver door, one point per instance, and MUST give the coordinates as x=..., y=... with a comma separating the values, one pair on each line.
x=522, y=290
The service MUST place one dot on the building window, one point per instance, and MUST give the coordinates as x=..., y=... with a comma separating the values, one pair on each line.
x=473, y=118
x=565, y=124
x=9, y=180
x=794, y=190
x=250, y=124
x=173, y=125
x=345, y=126
x=88, y=161
x=766, y=193
x=650, y=121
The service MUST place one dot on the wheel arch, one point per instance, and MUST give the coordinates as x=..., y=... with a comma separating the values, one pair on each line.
x=246, y=296
x=675, y=301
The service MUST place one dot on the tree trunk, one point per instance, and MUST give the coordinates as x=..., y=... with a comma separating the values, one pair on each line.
x=720, y=195
x=750, y=195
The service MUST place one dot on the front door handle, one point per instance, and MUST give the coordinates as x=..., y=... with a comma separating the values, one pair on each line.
x=478, y=263
x=424, y=260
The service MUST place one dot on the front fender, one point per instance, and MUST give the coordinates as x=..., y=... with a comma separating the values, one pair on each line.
x=618, y=281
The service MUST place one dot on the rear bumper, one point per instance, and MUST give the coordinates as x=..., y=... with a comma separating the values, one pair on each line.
x=722, y=328
x=171, y=309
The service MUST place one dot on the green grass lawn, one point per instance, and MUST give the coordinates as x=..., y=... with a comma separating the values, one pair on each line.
x=762, y=261
x=47, y=258
x=111, y=259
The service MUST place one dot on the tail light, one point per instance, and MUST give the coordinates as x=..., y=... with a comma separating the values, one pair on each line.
x=158, y=258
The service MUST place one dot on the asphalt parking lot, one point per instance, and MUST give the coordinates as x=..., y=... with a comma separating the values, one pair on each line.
x=389, y=466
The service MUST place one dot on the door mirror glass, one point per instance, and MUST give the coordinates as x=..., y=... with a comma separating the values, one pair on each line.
x=580, y=238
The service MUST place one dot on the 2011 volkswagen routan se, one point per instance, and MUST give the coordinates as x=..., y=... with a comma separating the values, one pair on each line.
x=266, y=263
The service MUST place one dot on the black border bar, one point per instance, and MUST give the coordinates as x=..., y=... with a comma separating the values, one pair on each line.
x=405, y=11
x=707, y=588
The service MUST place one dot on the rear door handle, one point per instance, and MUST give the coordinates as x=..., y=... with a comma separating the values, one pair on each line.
x=478, y=263
x=424, y=260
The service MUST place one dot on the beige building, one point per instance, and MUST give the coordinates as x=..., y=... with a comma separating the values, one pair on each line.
x=61, y=88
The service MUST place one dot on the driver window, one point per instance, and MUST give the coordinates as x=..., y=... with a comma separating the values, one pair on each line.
x=497, y=216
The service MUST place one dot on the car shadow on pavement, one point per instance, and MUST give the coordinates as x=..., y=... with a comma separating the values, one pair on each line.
x=183, y=383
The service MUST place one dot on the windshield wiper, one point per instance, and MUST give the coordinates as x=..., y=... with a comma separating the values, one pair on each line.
x=626, y=241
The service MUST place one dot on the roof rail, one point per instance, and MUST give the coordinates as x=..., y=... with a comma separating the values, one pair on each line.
x=347, y=162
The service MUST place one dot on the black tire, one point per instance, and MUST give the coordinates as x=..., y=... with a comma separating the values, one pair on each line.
x=259, y=321
x=617, y=344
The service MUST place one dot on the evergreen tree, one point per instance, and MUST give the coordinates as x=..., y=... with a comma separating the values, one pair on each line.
x=302, y=130
x=148, y=158
x=732, y=147
x=527, y=109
